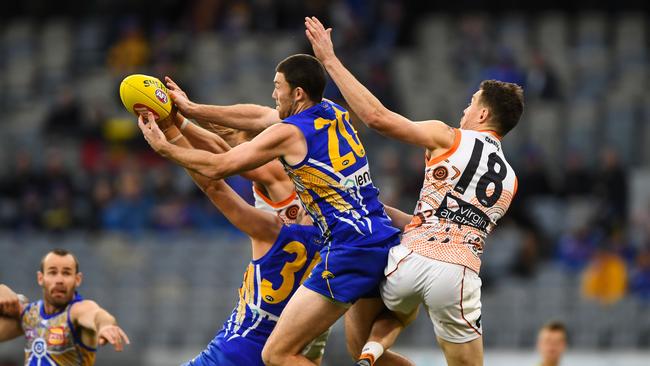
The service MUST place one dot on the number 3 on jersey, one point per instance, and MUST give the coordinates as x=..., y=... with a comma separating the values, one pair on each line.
x=336, y=129
x=288, y=273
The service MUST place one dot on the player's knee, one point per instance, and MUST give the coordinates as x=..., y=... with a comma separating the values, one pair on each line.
x=407, y=319
x=465, y=359
x=469, y=361
x=267, y=356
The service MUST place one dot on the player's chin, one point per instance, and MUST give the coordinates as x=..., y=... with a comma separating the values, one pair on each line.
x=60, y=301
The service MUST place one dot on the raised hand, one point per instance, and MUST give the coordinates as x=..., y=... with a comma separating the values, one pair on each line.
x=179, y=97
x=320, y=39
x=112, y=334
x=152, y=133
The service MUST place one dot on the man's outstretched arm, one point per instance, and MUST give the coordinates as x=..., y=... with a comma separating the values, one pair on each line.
x=429, y=134
x=202, y=139
x=276, y=141
x=90, y=316
x=261, y=226
x=246, y=117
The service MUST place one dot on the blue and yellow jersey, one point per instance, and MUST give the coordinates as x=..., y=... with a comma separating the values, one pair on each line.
x=333, y=181
x=52, y=339
x=269, y=283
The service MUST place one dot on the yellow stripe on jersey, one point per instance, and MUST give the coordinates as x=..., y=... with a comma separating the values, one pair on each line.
x=246, y=292
x=321, y=184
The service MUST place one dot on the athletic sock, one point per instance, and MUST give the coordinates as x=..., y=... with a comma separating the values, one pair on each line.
x=371, y=351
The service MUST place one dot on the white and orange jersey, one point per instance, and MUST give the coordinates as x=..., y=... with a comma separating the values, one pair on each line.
x=288, y=209
x=465, y=192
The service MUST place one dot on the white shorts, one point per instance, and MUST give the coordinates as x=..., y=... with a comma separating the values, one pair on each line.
x=451, y=293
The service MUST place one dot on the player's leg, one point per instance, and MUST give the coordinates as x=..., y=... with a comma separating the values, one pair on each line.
x=347, y=274
x=463, y=354
x=358, y=322
x=399, y=292
x=306, y=316
x=368, y=322
x=454, y=306
x=383, y=335
x=387, y=327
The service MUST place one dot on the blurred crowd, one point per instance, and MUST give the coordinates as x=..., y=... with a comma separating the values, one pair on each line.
x=602, y=240
x=132, y=193
x=94, y=172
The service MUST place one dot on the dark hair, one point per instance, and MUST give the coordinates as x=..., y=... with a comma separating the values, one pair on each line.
x=505, y=102
x=61, y=253
x=306, y=72
x=555, y=326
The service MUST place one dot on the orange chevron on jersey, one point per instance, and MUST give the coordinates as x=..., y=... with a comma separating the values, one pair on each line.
x=289, y=209
x=465, y=192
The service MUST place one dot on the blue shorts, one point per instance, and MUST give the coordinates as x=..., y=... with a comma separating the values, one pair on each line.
x=348, y=272
x=234, y=352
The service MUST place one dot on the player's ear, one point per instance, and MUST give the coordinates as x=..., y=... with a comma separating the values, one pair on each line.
x=299, y=94
x=78, y=279
x=484, y=115
x=39, y=278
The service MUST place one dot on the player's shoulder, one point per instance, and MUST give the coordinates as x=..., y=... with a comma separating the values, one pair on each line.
x=81, y=306
x=485, y=136
x=285, y=130
x=324, y=109
x=444, y=134
x=30, y=308
x=326, y=103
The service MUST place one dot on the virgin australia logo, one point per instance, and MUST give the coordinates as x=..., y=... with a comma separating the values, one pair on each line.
x=463, y=213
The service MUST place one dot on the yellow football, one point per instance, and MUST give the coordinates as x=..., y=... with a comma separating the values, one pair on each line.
x=141, y=94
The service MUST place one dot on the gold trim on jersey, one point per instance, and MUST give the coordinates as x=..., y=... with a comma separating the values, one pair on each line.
x=324, y=186
x=246, y=292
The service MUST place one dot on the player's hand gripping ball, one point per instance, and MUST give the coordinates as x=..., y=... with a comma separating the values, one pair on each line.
x=141, y=94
